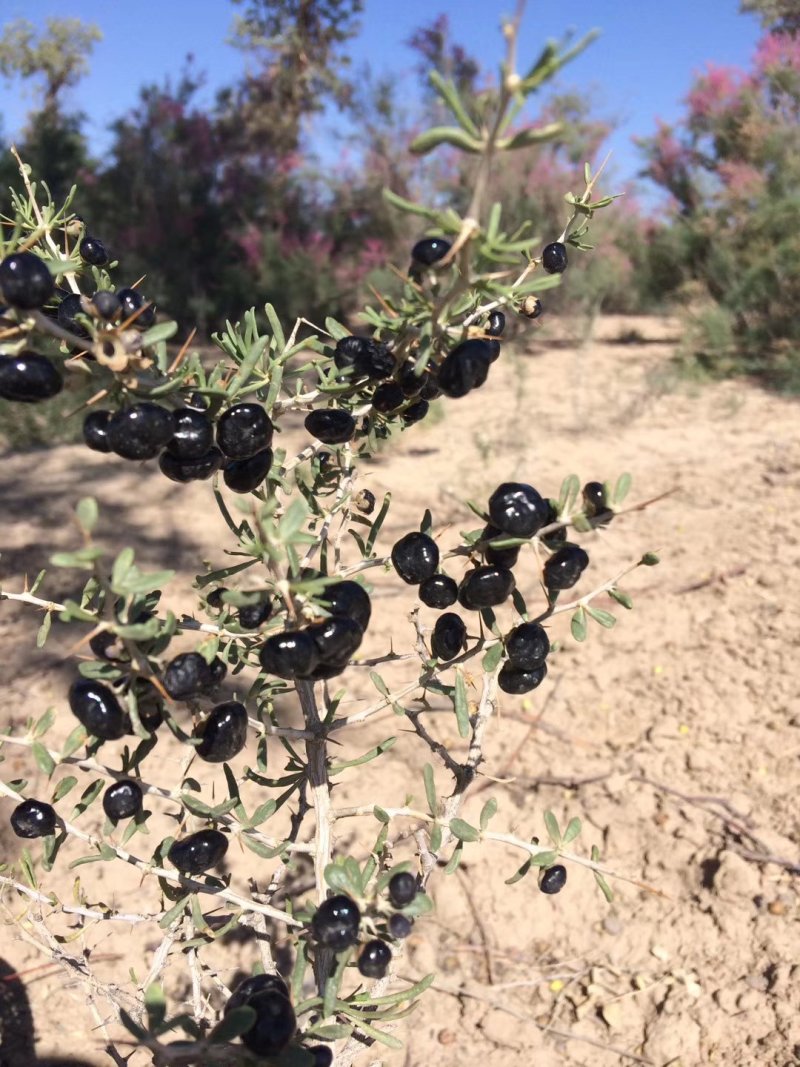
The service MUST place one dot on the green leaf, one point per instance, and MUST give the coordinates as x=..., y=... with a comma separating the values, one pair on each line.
x=373, y=753
x=83, y=559
x=376, y=526
x=341, y=879
x=436, y=837
x=265, y=851
x=381, y=815
x=293, y=520
x=621, y=489
x=463, y=831
x=44, y=761
x=396, y=998
x=523, y=870
x=487, y=812
x=87, y=513
x=44, y=723
x=26, y=864
x=263, y=812
x=233, y=1025
x=330, y=1031
x=155, y=1004
x=552, y=827
x=333, y=985
x=407, y=206
x=544, y=859
x=492, y=657
x=570, y=488
x=621, y=598
x=531, y=136
x=195, y=806
x=649, y=559
x=605, y=618
x=169, y=917
x=460, y=704
x=379, y=1035
x=455, y=859
x=578, y=624
x=605, y=888
x=74, y=741
x=439, y=135
x=63, y=787
x=162, y=331
x=449, y=93
x=430, y=789
x=119, y=572
x=572, y=831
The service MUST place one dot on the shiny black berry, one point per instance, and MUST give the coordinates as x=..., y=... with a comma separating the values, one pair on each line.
x=194, y=434
x=494, y=350
x=132, y=302
x=374, y=959
x=388, y=397
x=257, y=983
x=292, y=654
x=439, y=591
x=337, y=638
x=496, y=324
x=107, y=646
x=28, y=378
x=400, y=926
x=555, y=538
x=33, y=818
x=275, y=1023
x=122, y=799
x=527, y=646
x=415, y=412
x=335, y=923
x=532, y=307
x=93, y=251
x=415, y=557
x=69, y=307
x=348, y=350
x=402, y=888
x=514, y=681
x=448, y=637
x=191, y=470
x=25, y=281
x=554, y=258
x=106, y=304
x=595, y=504
x=224, y=733
x=430, y=250
x=364, y=501
x=565, y=567
x=150, y=706
x=465, y=368
x=517, y=509
x=485, y=587
x=140, y=431
x=347, y=598
x=374, y=361
x=246, y=475
x=499, y=557
x=198, y=852
x=97, y=707
x=251, y=616
x=409, y=381
x=244, y=430
x=553, y=879
x=332, y=426
x=188, y=675
x=323, y=1056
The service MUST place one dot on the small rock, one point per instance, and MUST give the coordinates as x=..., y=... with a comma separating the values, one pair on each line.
x=447, y=1037
x=749, y=1000
x=757, y=982
x=613, y=925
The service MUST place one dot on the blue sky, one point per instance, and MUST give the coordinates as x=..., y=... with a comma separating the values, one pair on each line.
x=639, y=69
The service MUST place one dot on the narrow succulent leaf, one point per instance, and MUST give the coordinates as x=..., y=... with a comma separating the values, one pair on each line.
x=605, y=618
x=578, y=624
x=439, y=135
x=449, y=93
x=463, y=831
x=460, y=704
x=552, y=827
x=533, y=135
x=572, y=831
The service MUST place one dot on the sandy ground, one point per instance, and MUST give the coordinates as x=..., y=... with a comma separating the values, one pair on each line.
x=673, y=736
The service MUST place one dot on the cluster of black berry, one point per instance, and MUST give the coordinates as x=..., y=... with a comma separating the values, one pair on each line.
x=336, y=924
x=321, y=649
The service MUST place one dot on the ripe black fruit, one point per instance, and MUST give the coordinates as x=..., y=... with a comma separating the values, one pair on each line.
x=527, y=646
x=246, y=475
x=69, y=307
x=402, y=888
x=595, y=504
x=565, y=567
x=438, y=591
x=33, y=818
x=108, y=646
x=364, y=501
x=25, y=281
x=553, y=879
x=337, y=638
x=188, y=675
x=93, y=251
x=430, y=250
x=555, y=538
x=499, y=557
x=347, y=598
x=554, y=258
x=496, y=324
x=374, y=360
x=275, y=1023
x=224, y=733
x=515, y=681
x=400, y=926
x=292, y=654
x=494, y=350
x=485, y=587
x=244, y=430
x=140, y=431
x=448, y=637
x=131, y=302
x=465, y=368
x=415, y=412
x=122, y=799
x=409, y=381
x=106, y=304
x=198, y=852
x=532, y=307
x=191, y=470
x=374, y=959
x=251, y=616
x=332, y=426
x=323, y=1056
x=415, y=557
x=194, y=434
x=28, y=378
x=257, y=983
x=335, y=923
x=348, y=349
x=387, y=397
x=517, y=509
x=96, y=706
